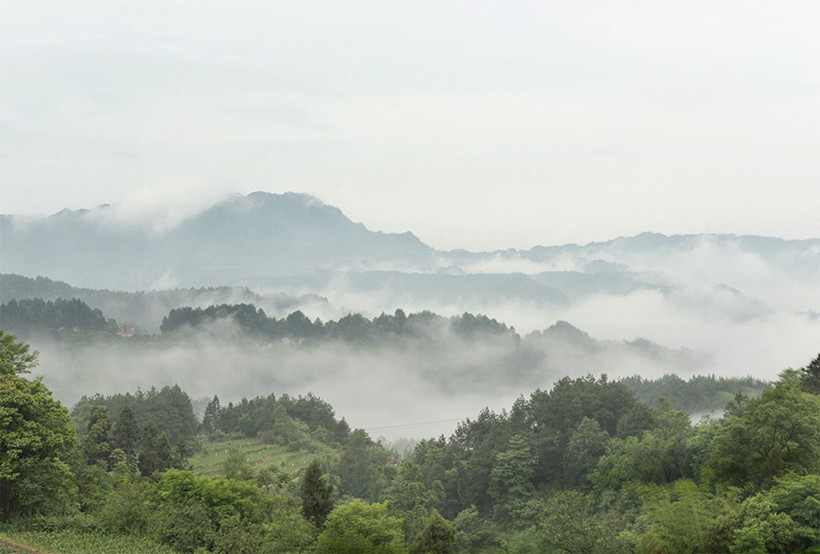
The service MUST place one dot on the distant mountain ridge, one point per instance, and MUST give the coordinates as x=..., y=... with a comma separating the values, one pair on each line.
x=242, y=238
x=296, y=244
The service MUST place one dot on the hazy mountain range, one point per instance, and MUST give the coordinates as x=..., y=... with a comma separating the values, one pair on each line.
x=293, y=243
x=747, y=302
x=647, y=305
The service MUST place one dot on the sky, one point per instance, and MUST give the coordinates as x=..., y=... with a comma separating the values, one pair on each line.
x=479, y=125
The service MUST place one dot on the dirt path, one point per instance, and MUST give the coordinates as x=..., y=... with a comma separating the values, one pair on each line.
x=18, y=547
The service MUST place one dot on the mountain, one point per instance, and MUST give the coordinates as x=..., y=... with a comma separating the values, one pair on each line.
x=294, y=244
x=240, y=240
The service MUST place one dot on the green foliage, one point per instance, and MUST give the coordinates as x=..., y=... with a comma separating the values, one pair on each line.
x=701, y=393
x=410, y=499
x=556, y=415
x=155, y=451
x=285, y=421
x=473, y=533
x=125, y=433
x=658, y=456
x=810, y=377
x=184, y=526
x=286, y=530
x=771, y=435
x=35, y=435
x=315, y=494
x=511, y=479
x=93, y=482
x=785, y=518
x=675, y=519
x=359, y=527
x=438, y=536
x=85, y=542
x=586, y=446
x=236, y=465
x=580, y=468
x=468, y=460
x=210, y=420
x=126, y=508
x=192, y=511
x=352, y=328
x=60, y=315
x=763, y=528
x=362, y=469
x=15, y=357
x=95, y=442
x=168, y=410
x=568, y=526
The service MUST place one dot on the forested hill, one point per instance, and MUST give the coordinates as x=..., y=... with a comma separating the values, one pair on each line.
x=145, y=309
x=580, y=467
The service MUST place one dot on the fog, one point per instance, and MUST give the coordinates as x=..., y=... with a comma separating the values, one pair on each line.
x=403, y=388
x=646, y=305
x=744, y=308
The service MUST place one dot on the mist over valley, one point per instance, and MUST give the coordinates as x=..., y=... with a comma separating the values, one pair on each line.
x=645, y=305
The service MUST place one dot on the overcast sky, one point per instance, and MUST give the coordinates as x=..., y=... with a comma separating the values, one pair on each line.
x=473, y=124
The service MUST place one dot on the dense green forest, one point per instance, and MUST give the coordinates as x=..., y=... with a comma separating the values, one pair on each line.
x=67, y=315
x=582, y=467
x=144, y=309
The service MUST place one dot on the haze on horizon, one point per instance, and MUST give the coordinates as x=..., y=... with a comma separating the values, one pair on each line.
x=479, y=126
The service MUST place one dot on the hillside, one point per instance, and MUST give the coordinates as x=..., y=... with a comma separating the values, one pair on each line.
x=236, y=241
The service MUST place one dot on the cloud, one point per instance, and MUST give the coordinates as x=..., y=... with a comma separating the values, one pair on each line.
x=159, y=207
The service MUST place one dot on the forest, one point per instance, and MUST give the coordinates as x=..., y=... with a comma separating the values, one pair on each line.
x=434, y=347
x=583, y=467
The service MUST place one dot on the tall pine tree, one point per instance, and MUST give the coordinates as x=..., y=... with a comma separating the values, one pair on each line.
x=315, y=493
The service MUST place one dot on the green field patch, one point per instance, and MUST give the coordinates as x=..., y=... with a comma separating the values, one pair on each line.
x=70, y=541
x=211, y=459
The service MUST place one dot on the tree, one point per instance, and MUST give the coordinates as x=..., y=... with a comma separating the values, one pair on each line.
x=769, y=436
x=95, y=442
x=437, y=537
x=125, y=433
x=236, y=465
x=359, y=527
x=155, y=451
x=674, y=522
x=36, y=434
x=315, y=494
x=511, y=479
x=210, y=420
x=286, y=529
x=810, y=377
x=569, y=527
x=191, y=511
x=361, y=467
x=473, y=534
x=409, y=499
x=586, y=446
x=15, y=357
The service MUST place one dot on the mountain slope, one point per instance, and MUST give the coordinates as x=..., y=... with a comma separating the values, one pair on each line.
x=239, y=240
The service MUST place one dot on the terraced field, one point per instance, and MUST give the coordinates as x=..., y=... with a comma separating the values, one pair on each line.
x=210, y=459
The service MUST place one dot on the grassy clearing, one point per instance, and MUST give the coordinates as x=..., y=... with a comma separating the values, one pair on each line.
x=210, y=459
x=70, y=541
